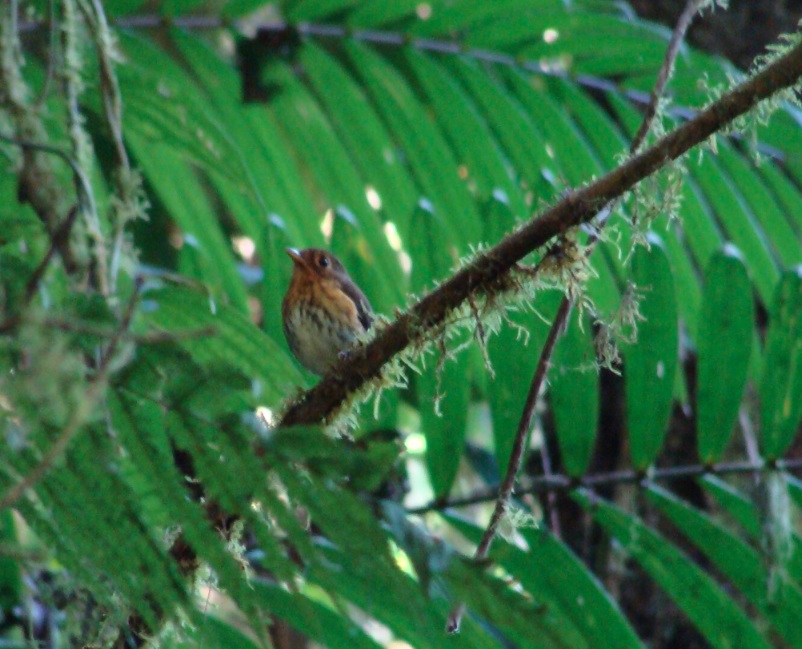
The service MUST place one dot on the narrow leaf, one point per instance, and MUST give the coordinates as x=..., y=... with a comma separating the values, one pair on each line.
x=742, y=565
x=237, y=342
x=726, y=330
x=781, y=382
x=718, y=618
x=574, y=395
x=443, y=387
x=651, y=363
x=555, y=577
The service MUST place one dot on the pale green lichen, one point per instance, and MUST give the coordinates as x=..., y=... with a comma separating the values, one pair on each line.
x=747, y=125
x=514, y=519
x=618, y=328
x=82, y=149
x=774, y=504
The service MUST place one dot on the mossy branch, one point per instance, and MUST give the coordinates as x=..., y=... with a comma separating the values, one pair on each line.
x=486, y=273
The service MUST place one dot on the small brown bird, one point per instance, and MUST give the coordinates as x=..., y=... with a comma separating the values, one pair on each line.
x=323, y=310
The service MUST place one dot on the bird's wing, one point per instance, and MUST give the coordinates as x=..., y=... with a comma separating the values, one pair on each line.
x=363, y=309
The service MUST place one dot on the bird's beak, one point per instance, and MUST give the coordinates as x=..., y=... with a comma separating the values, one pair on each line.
x=295, y=255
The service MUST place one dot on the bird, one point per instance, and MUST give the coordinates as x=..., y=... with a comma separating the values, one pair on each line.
x=323, y=311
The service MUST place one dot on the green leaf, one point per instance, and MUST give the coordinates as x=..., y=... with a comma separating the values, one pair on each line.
x=10, y=573
x=751, y=518
x=574, y=395
x=430, y=158
x=236, y=342
x=315, y=10
x=346, y=520
x=375, y=13
x=737, y=222
x=781, y=381
x=205, y=252
x=92, y=506
x=443, y=389
x=141, y=426
x=514, y=354
x=735, y=503
x=512, y=614
x=786, y=193
x=515, y=131
x=724, y=345
x=277, y=268
x=718, y=618
x=650, y=364
x=181, y=7
x=318, y=622
x=429, y=558
x=365, y=136
x=165, y=106
x=364, y=464
x=444, y=424
x=285, y=202
x=482, y=161
x=761, y=205
x=457, y=16
x=555, y=577
x=402, y=606
x=121, y=7
x=208, y=632
x=597, y=126
x=699, y=224
x=742, y=565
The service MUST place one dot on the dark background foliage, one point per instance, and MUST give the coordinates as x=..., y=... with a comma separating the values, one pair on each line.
x=146, y=497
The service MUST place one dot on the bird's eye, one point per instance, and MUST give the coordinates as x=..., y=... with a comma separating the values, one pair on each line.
x=323, y=262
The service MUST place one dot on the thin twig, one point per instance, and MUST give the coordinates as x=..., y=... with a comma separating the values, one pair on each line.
x=551, y=497
x=59, y=237
x=518, y=448
x=559, y=325
x=666, y=69
x=112, y=100
x=82, y=411
x=148, y=338
x=561, y=483
x=57, y=240
x=84, y=188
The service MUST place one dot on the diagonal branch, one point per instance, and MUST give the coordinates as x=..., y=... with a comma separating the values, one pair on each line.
x=488, y=271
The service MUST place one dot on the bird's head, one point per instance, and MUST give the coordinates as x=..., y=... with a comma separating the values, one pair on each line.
x=314, y=262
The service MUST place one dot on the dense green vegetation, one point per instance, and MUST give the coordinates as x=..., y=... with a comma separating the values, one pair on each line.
x=143, y=221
